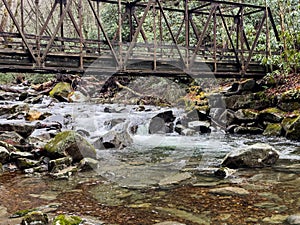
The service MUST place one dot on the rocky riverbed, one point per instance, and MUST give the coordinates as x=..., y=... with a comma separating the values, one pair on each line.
x=68, y=155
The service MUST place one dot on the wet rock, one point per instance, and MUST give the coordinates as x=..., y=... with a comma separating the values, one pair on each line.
x=4, y=155
x=162, y=123
x=248, y=130
x=273, y=129
x=24, y=129
x=188, y=132
x=19, y=154
x=67, y=220
x=59, y=164
x=293, y=219
x=246, y=115
x=288, y=106
x=35, y=218
x=33, y=115
x=24, y=163
x=174, y=180
x=194, y=115
x=113, y=122
x=61, y=91
x=229, y=191
x=257, y=155
x=201, y=126
x=272, y=115
x=11, y=137
x=224, y=172
x=292, y=127
x=115, y=139
x=87, y=164
x=77, y=96
x=64, y=173
x=69, y=143
x=179, y=128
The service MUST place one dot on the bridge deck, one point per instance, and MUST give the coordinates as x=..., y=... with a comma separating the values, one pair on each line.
x=27, y=46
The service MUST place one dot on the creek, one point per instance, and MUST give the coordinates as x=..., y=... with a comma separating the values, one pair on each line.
x=159, y=178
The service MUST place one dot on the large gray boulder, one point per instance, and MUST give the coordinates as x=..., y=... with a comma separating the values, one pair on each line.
x=254, y=156
x=69, y=143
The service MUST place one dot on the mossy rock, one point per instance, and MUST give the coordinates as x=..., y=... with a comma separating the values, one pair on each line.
x=271, y=115
x=35, y=218
x=67, y=220
x=22, y=213
x=61, y=89
x=273, y=129
x=69, y=143
x=292, y=128
x=246, y=114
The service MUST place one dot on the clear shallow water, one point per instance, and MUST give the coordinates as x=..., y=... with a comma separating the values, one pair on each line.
x=125, y=189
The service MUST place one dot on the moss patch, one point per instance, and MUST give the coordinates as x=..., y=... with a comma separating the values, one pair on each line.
x=67, y=220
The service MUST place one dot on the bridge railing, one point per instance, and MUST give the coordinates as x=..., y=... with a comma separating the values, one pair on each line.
x=28, y=40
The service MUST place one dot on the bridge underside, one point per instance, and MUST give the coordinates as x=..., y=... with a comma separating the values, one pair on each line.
x=159, y=38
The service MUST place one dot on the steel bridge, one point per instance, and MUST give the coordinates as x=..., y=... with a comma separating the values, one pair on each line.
x=155, y=37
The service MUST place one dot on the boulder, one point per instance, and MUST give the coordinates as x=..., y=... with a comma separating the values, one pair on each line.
x=291, y=127
x=201, y=126
x=24, y=129
x=87, y=164
x=162, y=123
x=24, y=163
x=4, y=155
x=61, y=91
x=273, y=129
x=272, y=115
x=246, y=115
x=56, y=165
x=11, y=137
x=254, y=156
x=114, y=139
x=69, y=143
x=35, y=218
x=77, y=96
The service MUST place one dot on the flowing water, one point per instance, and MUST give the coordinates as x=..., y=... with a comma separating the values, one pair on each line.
x=159, y=178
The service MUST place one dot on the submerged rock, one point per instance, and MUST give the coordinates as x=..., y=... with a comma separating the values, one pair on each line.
x=69, y=143
x=229, y=191
x=257, y=155
x=293, y=219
